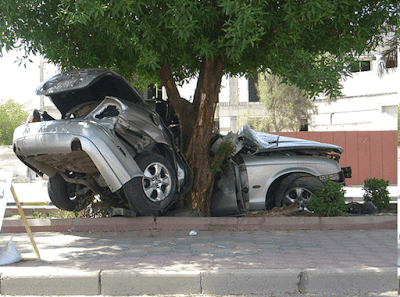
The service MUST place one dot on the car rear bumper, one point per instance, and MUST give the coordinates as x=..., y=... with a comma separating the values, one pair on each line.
x=74, y=145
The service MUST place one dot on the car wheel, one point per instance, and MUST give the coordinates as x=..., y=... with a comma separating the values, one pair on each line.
x=300, y=191
x=62, y=193
x=155, y=191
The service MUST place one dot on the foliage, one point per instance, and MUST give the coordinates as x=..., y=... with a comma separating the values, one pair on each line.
x=12, y=114
x=376, y=192
x=39, y=215
x=91, y=207
x=290, y=38
x=225, y=151
x=328, y=200
x=285, y=106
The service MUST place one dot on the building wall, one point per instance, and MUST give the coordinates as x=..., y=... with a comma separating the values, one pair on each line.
x=370, y=103
x=48, y=70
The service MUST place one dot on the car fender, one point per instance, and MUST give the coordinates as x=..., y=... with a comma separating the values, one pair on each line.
x=262, y=171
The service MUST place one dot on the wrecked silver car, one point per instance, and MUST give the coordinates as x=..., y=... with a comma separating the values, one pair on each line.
x=111, y=143
x=271, y=170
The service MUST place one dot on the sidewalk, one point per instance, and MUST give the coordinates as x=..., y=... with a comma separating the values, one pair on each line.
x=211, y=262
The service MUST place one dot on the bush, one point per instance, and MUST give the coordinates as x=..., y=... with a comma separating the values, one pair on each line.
x=328, y=200
x=376, y=192
x=12, y=114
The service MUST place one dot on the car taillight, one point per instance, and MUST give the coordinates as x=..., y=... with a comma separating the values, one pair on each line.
x=33, y=117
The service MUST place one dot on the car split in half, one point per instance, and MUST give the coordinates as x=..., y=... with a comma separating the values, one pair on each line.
x=126, y=150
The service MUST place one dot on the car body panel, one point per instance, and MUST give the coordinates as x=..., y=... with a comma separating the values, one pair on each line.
x=41, y=144
x=69, y=89
x=262, y=171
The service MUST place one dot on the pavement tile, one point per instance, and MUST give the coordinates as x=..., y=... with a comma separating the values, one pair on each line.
x=209, y=250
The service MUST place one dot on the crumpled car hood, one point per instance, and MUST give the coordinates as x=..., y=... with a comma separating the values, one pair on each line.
x=263, y=142
x=69, y=89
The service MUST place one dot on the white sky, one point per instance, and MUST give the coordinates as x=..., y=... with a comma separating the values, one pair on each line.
x=17, y=82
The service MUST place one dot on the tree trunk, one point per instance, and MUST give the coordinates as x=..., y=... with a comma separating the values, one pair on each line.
x=197, y=120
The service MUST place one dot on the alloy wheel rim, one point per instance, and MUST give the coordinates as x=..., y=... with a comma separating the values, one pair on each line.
x=157, y=182
x=299, y=196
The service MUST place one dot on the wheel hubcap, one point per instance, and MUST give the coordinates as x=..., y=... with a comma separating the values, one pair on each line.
x=299, y=195
x=156, y=182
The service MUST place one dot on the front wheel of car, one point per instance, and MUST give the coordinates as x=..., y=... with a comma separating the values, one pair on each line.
x=63, y=194
x=300, y=192
x=155, y=191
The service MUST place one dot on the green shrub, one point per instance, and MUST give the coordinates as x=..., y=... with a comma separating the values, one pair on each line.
x=225, y=151
x=328, y=200
x=376, y=192
x=12, y=114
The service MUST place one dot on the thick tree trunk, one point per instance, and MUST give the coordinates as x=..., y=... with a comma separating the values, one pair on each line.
x=197, y=121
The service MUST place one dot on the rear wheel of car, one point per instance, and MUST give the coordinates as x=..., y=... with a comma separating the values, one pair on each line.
x=62, y=194
x=155, y=191
x=300, y=191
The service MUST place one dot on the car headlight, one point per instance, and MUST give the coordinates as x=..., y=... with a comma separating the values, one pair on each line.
x=333, y=177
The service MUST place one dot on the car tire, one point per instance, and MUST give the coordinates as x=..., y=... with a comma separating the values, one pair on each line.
x=61, y=193
x=155, y=191
x=299, y=192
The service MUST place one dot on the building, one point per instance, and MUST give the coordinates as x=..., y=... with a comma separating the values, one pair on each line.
x=48, y=70
x=369, y=103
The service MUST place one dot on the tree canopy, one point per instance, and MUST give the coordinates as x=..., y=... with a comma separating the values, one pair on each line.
x=310, y=43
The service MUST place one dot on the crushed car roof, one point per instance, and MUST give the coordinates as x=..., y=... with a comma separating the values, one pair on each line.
x=69, y=89
x=262, y=142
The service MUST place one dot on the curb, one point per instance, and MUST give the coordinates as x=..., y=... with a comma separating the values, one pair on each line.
x=38, y=281
x=210, y=224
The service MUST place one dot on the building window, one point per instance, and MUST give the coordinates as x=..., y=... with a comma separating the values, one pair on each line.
x=365, y=65
x=253, y=94
x=303, y=125
x=362, y=66
x=391, y=60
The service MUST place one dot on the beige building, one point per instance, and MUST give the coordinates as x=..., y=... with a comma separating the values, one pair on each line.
x=48, y=70
x=369, y=101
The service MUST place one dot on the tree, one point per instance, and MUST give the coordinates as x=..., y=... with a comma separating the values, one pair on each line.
x=285, y=106
x=389, y=54
x=12, y=114
x=309, y=43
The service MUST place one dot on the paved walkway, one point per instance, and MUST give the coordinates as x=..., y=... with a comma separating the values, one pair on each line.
x=366, y=257
x=210, y=250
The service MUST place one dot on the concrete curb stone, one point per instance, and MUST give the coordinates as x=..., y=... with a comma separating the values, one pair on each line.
x=202, y=223
x=363, y=281
x=124, y=283
x=211, y=224
x=49, y=281
x=257, y=281
x=227, y=282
